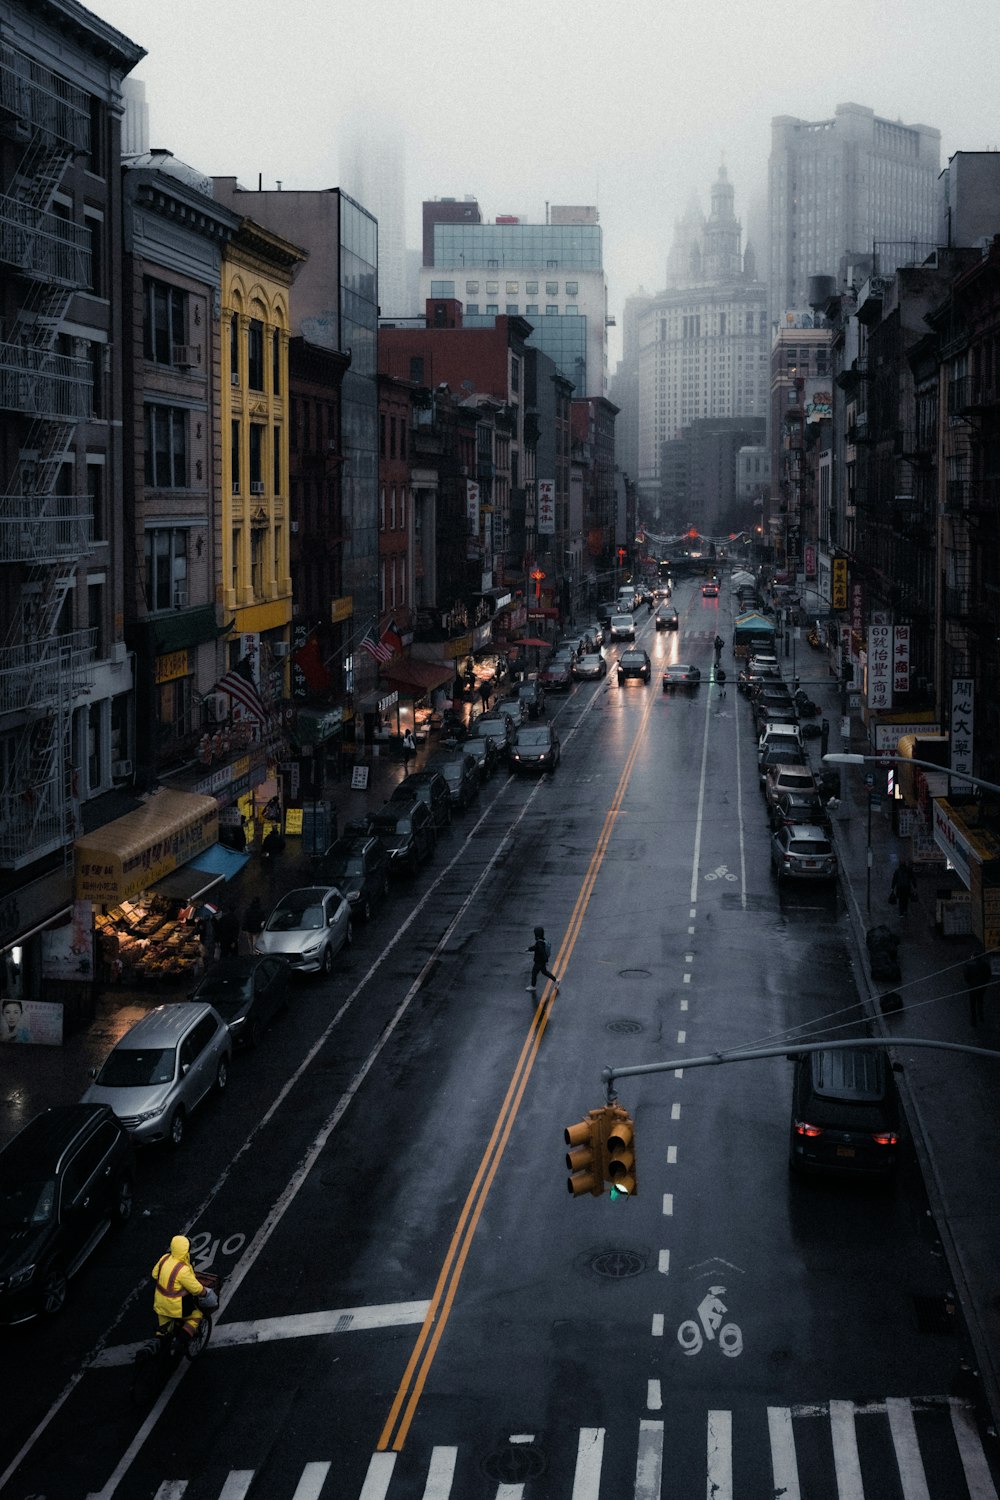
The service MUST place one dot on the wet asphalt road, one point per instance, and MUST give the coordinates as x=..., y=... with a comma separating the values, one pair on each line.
x=416, y=1306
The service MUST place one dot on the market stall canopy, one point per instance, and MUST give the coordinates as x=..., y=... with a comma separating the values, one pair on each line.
x=740, y=577
x=532, y=640
x=201, y=874
x=415, y=678
x=132, y=853
x=753, y=624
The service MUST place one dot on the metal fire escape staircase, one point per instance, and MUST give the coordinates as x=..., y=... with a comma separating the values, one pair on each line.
x=42, y=531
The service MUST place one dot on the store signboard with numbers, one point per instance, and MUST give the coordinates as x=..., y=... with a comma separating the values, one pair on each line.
x=359, y=779
x=879, y=682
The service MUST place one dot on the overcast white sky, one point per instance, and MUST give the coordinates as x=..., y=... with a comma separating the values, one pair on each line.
x=631, y=105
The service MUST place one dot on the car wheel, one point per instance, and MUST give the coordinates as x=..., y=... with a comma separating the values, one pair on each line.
x=52, y=1290
x=255, y=1032
x=123, y=1202
x=326, y=964
x=177, y=1125
x=222, y=1075
x=366, y=910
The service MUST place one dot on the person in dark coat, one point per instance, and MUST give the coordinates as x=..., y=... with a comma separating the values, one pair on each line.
x=977, y=974
x=227, y=931
x=541, y=952
x=253, y=922
x=902, y=886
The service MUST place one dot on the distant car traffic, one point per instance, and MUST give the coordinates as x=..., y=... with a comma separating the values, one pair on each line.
x=679, y=674
x=622, y=628
x=666, y=617
x=634, y=664
x=535, y=748
x=710, y=591
x=590, y=667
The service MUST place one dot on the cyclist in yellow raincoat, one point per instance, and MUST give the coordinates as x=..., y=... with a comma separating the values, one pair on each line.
x=174, y=1277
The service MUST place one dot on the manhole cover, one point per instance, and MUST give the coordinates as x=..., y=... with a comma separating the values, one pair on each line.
x=514, y=1463
x=633, y=973
x=623, y=1026
x=618, y=1264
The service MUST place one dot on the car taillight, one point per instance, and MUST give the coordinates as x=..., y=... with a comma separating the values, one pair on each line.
x=886, y=1138
x=802, y=1127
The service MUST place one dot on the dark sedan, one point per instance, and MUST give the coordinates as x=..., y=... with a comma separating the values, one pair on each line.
x=679, y=674
x=461, y=773
x=358, y=865
x=532, y=695
x=557, y=675
x=484, y=753
x=407, y=833
x=634, y=664
x=247, y=992
x=666, y=617
x=535, y=748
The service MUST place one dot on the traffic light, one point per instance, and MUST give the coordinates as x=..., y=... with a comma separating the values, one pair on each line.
x=585, y=1160
x=620, y=1152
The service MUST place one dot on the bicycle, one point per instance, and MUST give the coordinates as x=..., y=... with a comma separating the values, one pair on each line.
x=155, y=1359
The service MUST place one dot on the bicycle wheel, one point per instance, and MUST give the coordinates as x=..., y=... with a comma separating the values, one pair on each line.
x=147, y=1374
x=198, y=1343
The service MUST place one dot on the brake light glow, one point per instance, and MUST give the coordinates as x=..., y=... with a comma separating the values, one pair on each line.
x=887, y=1138
x=802, y=1127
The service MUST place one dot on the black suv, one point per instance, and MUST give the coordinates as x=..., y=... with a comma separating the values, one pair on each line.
x=461, y=773
x=430, y=788
x=845, y=1112
x=407, y=832
x=359, y=866
x=65, y=1180
x=634, y=663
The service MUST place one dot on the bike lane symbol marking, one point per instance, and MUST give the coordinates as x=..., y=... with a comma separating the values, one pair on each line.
x=721, y=872
x=711, y=1310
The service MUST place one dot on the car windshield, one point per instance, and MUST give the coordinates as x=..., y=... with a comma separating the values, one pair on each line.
x=532, y=738
x=294, y=918
x=137, y=1067
x=633, y=658
x=391, y=825
x=346, y=864
x=23, y=1204
x=475, y=749
x=620, y=620
x=592, y=660
x=490, y=727
x=217, y=989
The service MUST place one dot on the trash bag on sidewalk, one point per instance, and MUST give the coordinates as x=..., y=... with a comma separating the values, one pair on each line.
x=882, y=945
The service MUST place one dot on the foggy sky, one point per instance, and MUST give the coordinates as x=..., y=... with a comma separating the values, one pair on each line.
x=630, y=105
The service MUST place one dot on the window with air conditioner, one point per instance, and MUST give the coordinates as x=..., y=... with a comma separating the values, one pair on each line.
x=164, y=321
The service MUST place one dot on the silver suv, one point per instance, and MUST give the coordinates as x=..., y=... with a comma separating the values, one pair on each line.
x=162, y=1069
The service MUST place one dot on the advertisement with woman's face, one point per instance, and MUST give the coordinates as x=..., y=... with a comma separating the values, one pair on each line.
x=37, y=1021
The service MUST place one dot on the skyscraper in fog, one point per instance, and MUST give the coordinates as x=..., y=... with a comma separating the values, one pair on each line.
x=839, y=189
x=373, y=170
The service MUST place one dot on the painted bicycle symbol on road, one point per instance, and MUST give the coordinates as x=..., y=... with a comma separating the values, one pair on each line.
x=711, y=1310
x=721, y=872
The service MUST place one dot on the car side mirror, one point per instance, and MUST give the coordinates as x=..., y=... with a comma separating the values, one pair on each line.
x=185, y=1069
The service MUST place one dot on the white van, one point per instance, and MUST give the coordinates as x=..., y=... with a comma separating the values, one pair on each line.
x=626, y=599
x=622, y=628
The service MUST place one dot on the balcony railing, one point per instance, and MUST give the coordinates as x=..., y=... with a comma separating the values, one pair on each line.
x=32, y=822
x=968, y=394
x=64, y=528
x=40, y=672
x=42, y=246
x=41, y=384
x=38, y=99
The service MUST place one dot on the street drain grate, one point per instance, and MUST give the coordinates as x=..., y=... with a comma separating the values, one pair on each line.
x=618, y=1264
x=935, y=1314
x=633, y=973
x=514, y=1463
x=623, y=1027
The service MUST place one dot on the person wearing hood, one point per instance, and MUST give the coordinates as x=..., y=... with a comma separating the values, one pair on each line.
x=174, y=1278
x=541, y=952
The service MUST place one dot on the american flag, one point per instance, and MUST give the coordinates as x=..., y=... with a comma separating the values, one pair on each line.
x=242, y=689
x=382, y=649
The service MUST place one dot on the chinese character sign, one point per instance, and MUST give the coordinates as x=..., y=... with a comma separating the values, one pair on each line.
x=901, y=659
x=962, y=725
x=857, y=606
x=546, y=507
x=839, y=600
x=472, y=505
x=879, y=666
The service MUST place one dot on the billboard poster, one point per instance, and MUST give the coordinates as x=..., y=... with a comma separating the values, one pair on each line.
x=962, y=727
x=546, y=507
x=901, y=659
x=879, y=682
x=39, y=1022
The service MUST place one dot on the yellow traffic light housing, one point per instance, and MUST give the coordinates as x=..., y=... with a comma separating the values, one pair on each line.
x=620, y=1149
x=585, y=1160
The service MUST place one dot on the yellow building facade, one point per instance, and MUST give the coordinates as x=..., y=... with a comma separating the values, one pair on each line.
x=255, y=586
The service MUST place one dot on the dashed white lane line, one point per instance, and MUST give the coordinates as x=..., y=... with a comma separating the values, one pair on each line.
x=671, y=1156
x=654, y=1396
x=678, y=1072
x=689, y=958
x=657, y=1328
x=663, y=1265
x=681, y=1038
x=675, y=1111
x=684, y=1005
x=668, y=1204
x=687, y=979
x=691, y=930
x=589, y=1460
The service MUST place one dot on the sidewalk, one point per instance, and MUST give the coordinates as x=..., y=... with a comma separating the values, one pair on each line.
x=952, y=1099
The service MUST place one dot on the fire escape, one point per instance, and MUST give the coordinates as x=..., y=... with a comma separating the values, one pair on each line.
x=44, y=532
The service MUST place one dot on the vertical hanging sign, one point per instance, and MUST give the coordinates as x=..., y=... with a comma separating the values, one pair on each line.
x=962, y=727
x=546, y=507
x=472, y=505
x=879, y=666
x=900, y=659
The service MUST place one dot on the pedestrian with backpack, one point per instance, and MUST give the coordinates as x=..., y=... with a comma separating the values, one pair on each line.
x=541, y=952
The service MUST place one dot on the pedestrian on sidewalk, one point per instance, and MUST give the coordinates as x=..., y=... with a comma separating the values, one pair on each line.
x=901, y=890
x=541, y=952
x=253, y=923
x=719, y=643
x=484, y=693
x=409, y=750
x=227, y=930
x=977, y=975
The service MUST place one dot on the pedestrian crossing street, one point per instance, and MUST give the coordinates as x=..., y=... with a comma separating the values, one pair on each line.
x=899, y=1448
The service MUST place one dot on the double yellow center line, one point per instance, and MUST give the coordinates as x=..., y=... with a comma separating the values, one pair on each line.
x=404, y=1406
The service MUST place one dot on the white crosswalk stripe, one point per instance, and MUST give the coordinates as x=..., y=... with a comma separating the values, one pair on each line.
x=794, y=1438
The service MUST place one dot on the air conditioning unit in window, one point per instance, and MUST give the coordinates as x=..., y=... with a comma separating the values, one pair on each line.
x=121, y=770
x=256, y=486
x=295, y=527
x=234, y=377
x=180, y=598
x=217, y=707
x=281, y=648
x=185, y=356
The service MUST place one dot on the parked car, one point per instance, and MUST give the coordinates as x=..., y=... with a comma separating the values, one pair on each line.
x=749, y=676
x=779, y=755
x=532, y=694
x=786, y=778
x=622, y=628
x=359, y=867
x=666, y=617
x=515, y=710
x=774, y=713
x=248, y=992
x=309, y=927
x=535, y=748
x=845, y=1112
x=484, y=753
x=557, y=675
x=461, y=771
x=576, y=645
x=802, y=851
x=679, y=674
x=634, y=664
x=591, y=667
x=596, y=632
x=407, y=832
x=779, y=734
x=799, y=807
x=604, y=613
x=162, y=1068
x=496, y=727
x=65, y=1180
x=768, y=700
x=427, y=786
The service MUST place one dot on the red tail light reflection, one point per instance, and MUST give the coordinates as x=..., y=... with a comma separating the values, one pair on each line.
x=802, y=1127
x=888, y=1138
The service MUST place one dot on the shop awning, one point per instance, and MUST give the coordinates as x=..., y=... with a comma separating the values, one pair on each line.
x=188, y=627
x=203, y=874
x=415, y=678
x=132, y=853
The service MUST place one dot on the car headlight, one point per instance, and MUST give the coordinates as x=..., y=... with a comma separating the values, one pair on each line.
x=312, y=951
x=19, y=1278
x=150, y=1114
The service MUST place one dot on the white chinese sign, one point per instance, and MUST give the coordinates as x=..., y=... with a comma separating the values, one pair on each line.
x=879, y=666
x=962, y=726
x=901, y=659
x=546, y=507
x=472, y=505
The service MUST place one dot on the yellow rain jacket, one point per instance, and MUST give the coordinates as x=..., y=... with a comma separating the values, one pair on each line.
x=173, y=1276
